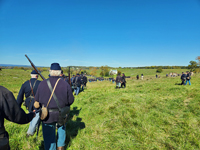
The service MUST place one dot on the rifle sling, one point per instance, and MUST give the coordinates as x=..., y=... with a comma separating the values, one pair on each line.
x=54, y=95
x=33, y=87
x=31, y=103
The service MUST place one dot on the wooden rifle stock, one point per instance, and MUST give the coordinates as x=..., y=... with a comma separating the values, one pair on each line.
x=35, y=68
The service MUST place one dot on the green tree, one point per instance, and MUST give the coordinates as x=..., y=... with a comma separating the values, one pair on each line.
x=192, y=65
x=168, y=67
x=198, y=58
x=101, y=73
x=104, y=71
x=94, y=71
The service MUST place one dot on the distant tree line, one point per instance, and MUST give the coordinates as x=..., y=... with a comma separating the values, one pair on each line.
x=157, y=67
x=193, y=66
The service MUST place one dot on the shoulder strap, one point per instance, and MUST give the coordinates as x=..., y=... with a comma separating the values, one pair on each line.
x=54, y=95
x=34, y=84
x=52, y=92
x=76, y=80
x=33, y=87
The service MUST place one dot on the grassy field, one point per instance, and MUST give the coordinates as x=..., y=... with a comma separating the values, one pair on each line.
x=154, y=113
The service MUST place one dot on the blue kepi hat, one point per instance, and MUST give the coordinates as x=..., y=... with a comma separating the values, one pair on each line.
x=34, y=72
x=55, y=66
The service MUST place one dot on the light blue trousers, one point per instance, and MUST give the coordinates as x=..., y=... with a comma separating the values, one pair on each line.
x=188, y=81
x=77, y=90
x=49, y=135
x=118, y=84
x=33, y=124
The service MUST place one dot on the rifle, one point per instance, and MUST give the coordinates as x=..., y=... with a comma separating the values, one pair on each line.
x=34, y=67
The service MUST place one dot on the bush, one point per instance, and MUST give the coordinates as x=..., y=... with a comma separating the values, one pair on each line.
x=197, y=70
x=159, y=70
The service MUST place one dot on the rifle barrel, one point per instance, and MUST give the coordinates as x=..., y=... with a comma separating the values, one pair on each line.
x=35, y=68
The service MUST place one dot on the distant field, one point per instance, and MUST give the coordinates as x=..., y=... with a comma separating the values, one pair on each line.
x=147, y=114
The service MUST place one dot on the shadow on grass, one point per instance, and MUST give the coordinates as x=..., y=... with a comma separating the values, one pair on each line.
x=72, y=128
x=178, y=84
x=41, y=147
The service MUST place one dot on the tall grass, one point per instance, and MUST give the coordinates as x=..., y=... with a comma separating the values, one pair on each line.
x=154, y=113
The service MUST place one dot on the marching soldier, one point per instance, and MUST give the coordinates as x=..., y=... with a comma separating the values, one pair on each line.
x=123, y=82
x=81, y=76
x=77, y=84
x=137, y=77
x=188, y=77
x=84, y=80
x=183, y=78
x=62, y=97
x=65, y=78
x=118, y=81
x=29, y=89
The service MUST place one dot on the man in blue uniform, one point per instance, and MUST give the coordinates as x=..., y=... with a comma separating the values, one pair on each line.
x=84, y=80
x=183, y=78
x=72, y=79
x=188, y=77
x=77, y=84
x=81, y=76
x=63, y=97
x=29, y=88
x=10, y=110
x=65, y=78
x=123, y=80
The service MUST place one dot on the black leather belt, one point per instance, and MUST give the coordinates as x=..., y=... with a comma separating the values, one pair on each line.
x=53, y=110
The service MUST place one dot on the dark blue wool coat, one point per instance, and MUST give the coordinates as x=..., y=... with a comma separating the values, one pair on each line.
x=78, y=80
x=63, y=92
x=10, y=110
x=26, y=89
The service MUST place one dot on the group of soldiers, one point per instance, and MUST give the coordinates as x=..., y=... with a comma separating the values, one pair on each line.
x=120, y=81
x=142, y=76
x=53, y=93
x=186, y=77
x=77, y=82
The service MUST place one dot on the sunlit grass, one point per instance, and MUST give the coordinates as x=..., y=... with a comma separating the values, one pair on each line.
x=147, y=114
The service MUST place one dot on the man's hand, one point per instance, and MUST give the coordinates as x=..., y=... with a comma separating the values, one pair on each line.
x=34, y=113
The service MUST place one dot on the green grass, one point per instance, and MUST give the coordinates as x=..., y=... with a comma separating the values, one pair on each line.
x=147, y=114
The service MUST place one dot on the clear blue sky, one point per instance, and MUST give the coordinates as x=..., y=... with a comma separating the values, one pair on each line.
x=117, y=33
